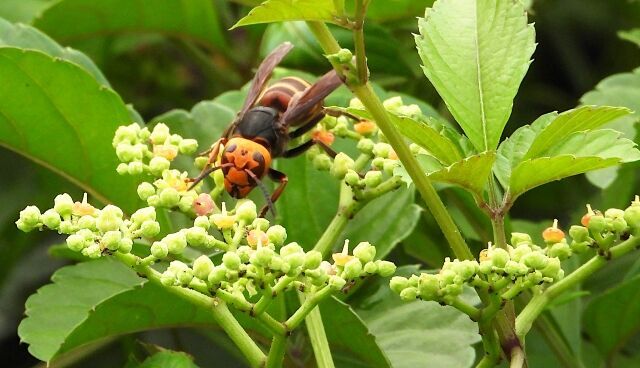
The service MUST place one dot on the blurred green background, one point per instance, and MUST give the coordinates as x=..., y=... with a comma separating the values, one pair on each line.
x=157, y=70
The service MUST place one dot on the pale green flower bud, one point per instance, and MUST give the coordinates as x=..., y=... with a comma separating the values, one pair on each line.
x=200, y=162
x=175, y=242
x=561, y=250
x=217, y=275
x=135, y=168
x=465, y=269
x=322, y=162
x=145, y=190
x=202, y=267
x=398, y=283
x=76, y=242
x=515, y=268
x=336, y=282
x=188, y=146
x=196, y=236
x=154, y=201
x=365, y=252
x=580, y=247
x=51, y=219
x=373, y=178
x=277, y=264
x=168, y=279
x=614, y=213
x=262, y=257
x=517, y=238
x=92, y=251
x=261, y=224
x=159, y=250
x=385, y=268
x=125, y=246
x=389, y=166
x=553, y=269
x=125, y=152
x=231, y=260
x=352, y=178
x=412, y=110
x=352, y=269
x=409, y=294
x=365, y=145
x=122, y=169
x=499, y=257
x=169, y=197
x=106, y=223
x=619, y=225
x=312, y=259
x=597, y=224
x=632, y=217
x=159, y=134
x=185, y=276
x=158, y=164
x=370, y=268
x=87, y=222
x=149, y=229
x=111, y=239
x=247, y=211
x=244, y=252
x=428, y=286
x=393, y=103
x=187, y=203
x=291, y=248
x=536, y=260
x=341, y=165
x=67, y=227
x=377, y=163
x=63, y=204
x=277, y=235
x=519, y=252
x=124, y=133
x=382, y=150
x=579, y=233
x=202, y=221
x=30, y=216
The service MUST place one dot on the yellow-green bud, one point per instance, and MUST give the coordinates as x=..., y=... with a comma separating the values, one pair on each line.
x=67, y=227
x=184, y=276
x=135, y=168
x=580, y=247
x=217, y=275
x=373, y=178
x=365, y=145
x=398, y=283
x=614, y=213
x=499, y=257
x=597, y=224
x=312, y=259
x=87, y=222
x=154, y=201
x=536, y=260
x=168, y=279
x=125, y=152
x=202, y=221
x=365, y=252
x=231, y=260
x=145, y=190
x=382, y=150
x=247, y=211
x=261, y=224
x=63, y=204
x=262, y=256
x=196, y=236
x=277, y=235
x=385, y=268
x=30, y=216
x=149, y=229
x=295, y=260
x=158, y=164
x=618, y=225
x=111, y=239
x=159, y=250
x=341, y=165
x=124, y=133
x=409, y=294
x=122, y=169
x=76, y=242
x=105, y=223
x=175, y=242
x=125, y=246
x=632, y=217
x=518, y=252
x=352, y=178
x=515, y=268
x=169, y=197
x=92, y=251
x=553, y=269
x=143, y=214
x=579, y=233
x=561, y=250
x=159, y=134
x=202, y=267
x=188, y=146
x=336, y=282
x=517, y=238
x=393, y=103
x=291, y=248
x=352, y=269
x=322, y=162
x=370, y=268
x=429, y=286
x=51, y=219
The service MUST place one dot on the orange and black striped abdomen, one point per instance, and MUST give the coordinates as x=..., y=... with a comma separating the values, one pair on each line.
x=279, y=94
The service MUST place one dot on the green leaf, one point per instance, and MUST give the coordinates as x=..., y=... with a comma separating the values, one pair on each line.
x=613, y=318
x=470, y=173
x=384, y=222
x=427, y=137
x=22, y=10
x=272, y=11
x=534, y=172
x=27, y=37
x=393, y=10
x=416, y=334
x=168, y=359
x=513, y=149
x=569, y=122
x=57, y=309
x=351, y=342
x=476, y=53
x=604, y=143
x=74, y=20
x=81, y=120
x=631, y=35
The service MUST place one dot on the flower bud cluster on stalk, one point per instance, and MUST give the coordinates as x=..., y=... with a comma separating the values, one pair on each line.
x=523, y=265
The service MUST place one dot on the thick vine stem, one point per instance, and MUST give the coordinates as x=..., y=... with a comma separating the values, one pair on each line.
x=318, y=339
x=218, y=308
x=518, y=358
x=276, y=352
x=539, y=302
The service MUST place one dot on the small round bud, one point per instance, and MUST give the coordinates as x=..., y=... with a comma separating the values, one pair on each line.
x=145, y=190
x=560, y=250
x=159, y=134
x=246, y=211
x=262, y=256
x=409, y=294
x=168, y=279
x=336, y=282
x=632, y=217
x=76, y=242
x=135, y=168
x=579, y=233
x=516, y=269
x=295, y=261
x=217, y=275
x=341, y=165
x=92, y=251
x=385, y=268
x=382, y=150
x=105, y=223
x=196, y=236
x=125, y=246
x=343, y=56
x=30, y=216
x=393, y=103
x=203, y=205
x=176, y=243
x=535, y=260
x=499, y=257
x=63, y=204
x=202, y=221
x=124, y=133
x=517, y=238
x=51, y=219
x=202, y=267
x=169, y=197
x=158, y=164
x=398, y=283
x=352, y=178
x=365, y=252
x=428, y=286
x=619, y=225
x=597, y=224
x=580, y=246
x=365, y=145
x=154, y=201
x=312, y=259
x=188, y=146
x=352, y=269
x=66, y=227
x=231, y=260
x=159, y=250
x=125, y=152
x=149, y=229
x=261, y=224
x=614, y=213
x=277, y=235
x=143, y=214
x=322, y=162
x=553, y=269
x=184, y=276
x=200, y=162
x=356, y=103
x=373, y=178
x=111, y=239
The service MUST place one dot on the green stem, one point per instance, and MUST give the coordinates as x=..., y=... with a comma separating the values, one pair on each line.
x=538, y=303
x=347, y=208
x=318, y=338
x=218, y=309
x=306, y=307
x=276, y=351
x=518, y=359
x=358, y=41
x=499, y=237
x=471, y=311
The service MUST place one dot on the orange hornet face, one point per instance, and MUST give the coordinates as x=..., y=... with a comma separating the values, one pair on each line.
x=241, y=155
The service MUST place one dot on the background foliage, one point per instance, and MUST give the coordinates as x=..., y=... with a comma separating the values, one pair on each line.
x=177, y=64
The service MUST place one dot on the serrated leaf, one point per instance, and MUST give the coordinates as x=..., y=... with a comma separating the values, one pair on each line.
x=470, y=173
x=27, y=37
x=57, y=309
x=416, y=334
x=631, y=35
x=352, y=344
x=168, y=359
x=604, y=143
x=579, y=119
x=73, y=20
x=513, y=149
x=476, y=53
x=534, y=172
x=286, y=10
x=37, y=106
x=613, y=318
